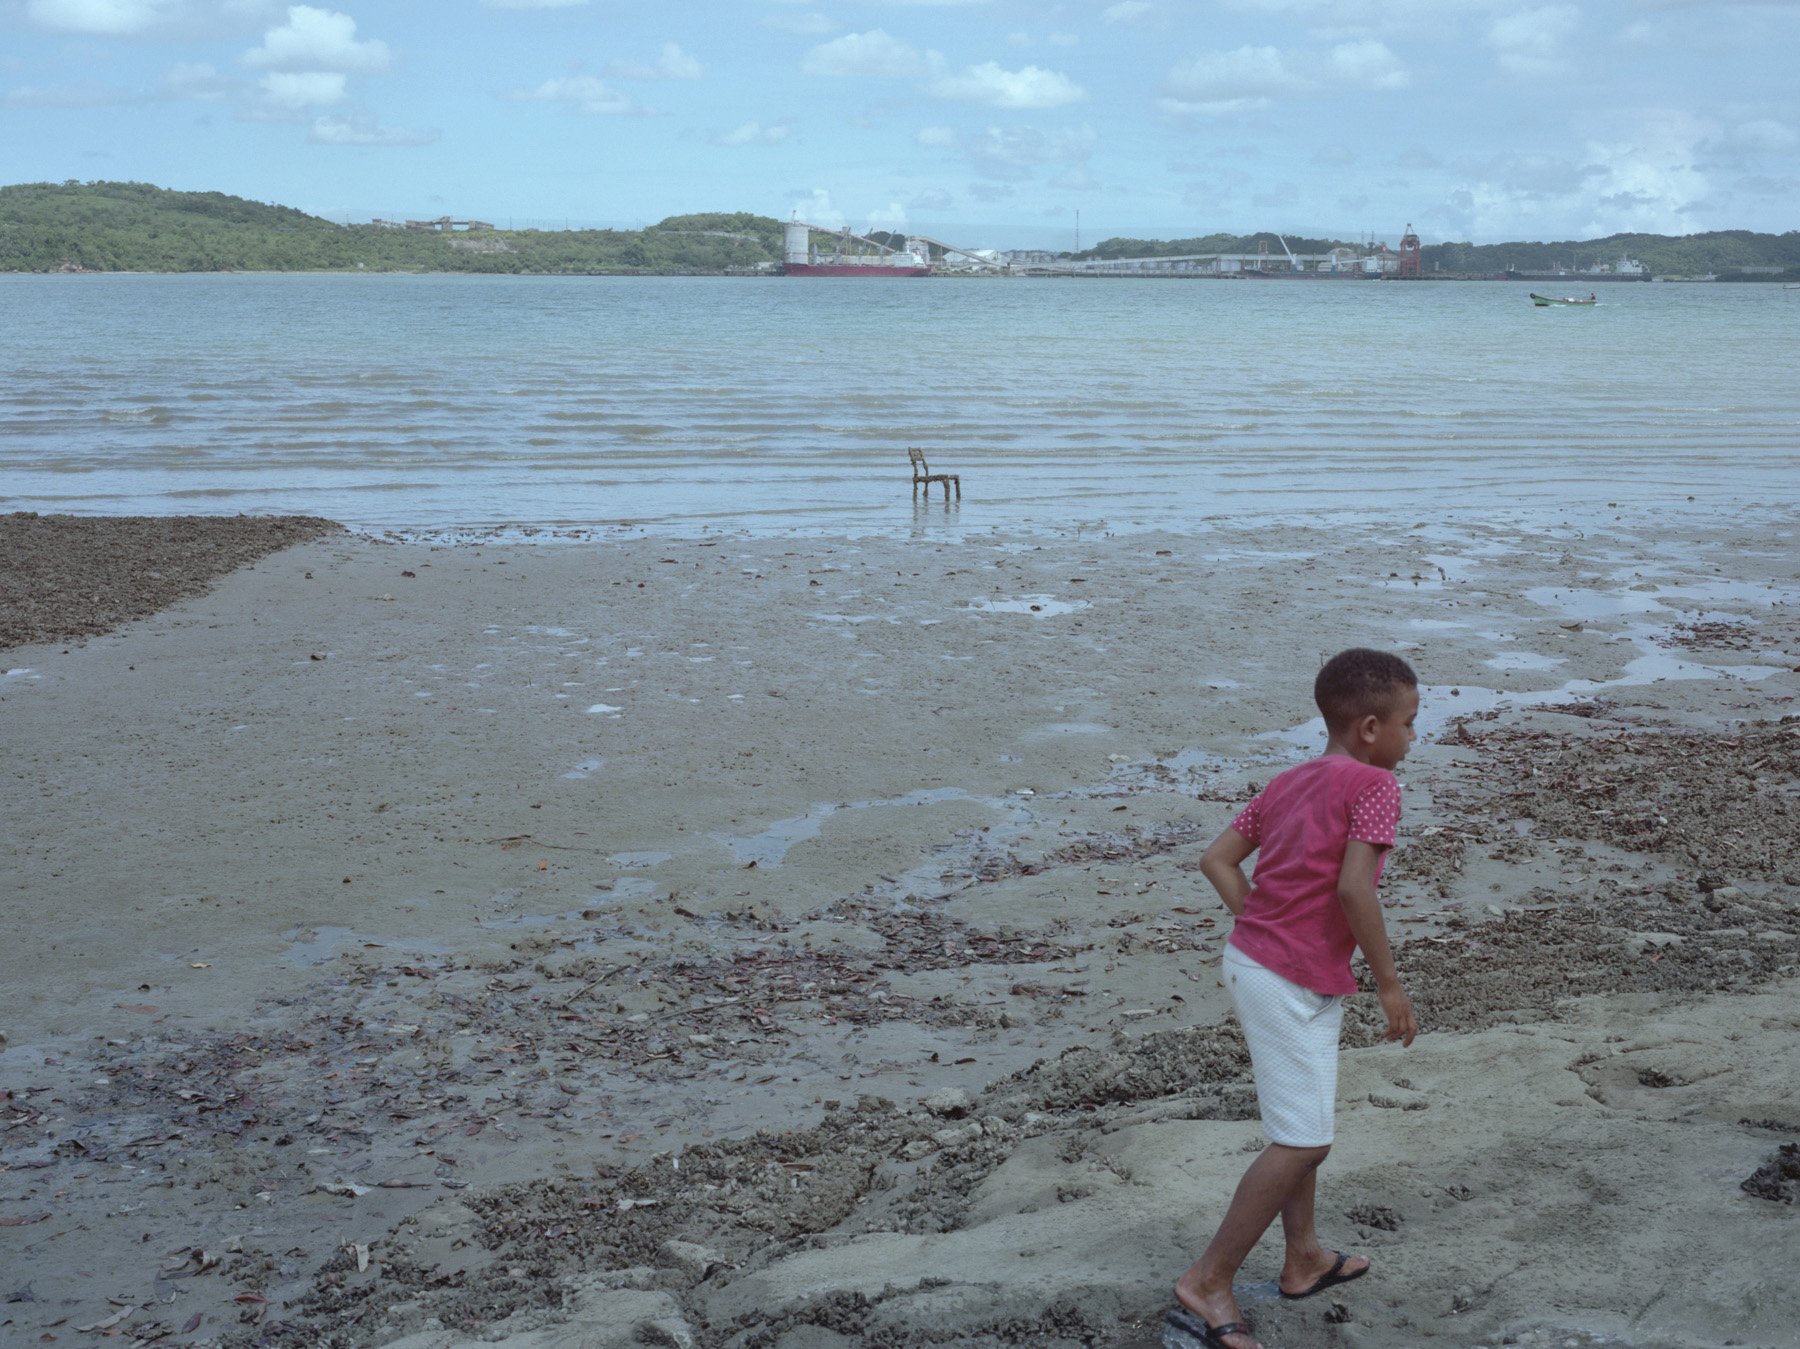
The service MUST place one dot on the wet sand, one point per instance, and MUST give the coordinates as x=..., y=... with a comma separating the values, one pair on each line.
x=797, y=942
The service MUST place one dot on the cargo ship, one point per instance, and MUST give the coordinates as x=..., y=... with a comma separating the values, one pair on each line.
x=849, y=254
x=1625, y=269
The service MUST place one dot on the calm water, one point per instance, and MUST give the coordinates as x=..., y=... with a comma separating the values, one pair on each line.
x=679, y=404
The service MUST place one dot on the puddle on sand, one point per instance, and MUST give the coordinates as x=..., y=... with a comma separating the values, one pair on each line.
x=1184, y=769
x=639, y=859
x=585, y=769
x=1682, y=596
x=1039, y=606
x=1523, y=660
x=1585, y=605
x=1438, y=704
x=770, y=847
x=625, y=887
x=1057, y=729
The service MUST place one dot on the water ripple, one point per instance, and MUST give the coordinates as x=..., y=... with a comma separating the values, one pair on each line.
x=437, y=401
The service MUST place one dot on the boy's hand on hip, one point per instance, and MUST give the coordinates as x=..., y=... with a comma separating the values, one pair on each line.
x=1402, y=1025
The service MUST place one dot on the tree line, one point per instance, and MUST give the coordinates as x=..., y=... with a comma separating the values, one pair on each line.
x=106, y=227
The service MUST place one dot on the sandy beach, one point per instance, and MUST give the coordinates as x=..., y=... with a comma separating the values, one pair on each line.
x=796, y=943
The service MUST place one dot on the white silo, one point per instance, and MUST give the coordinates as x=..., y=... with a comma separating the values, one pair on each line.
x=794, y=245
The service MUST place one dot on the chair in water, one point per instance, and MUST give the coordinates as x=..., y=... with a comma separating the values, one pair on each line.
x=922, y=474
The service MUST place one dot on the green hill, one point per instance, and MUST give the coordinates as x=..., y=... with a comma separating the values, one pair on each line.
x=108, y=227
x=1723, y=253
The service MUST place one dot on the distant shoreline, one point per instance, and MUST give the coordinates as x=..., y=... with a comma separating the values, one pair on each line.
x=1529, y=278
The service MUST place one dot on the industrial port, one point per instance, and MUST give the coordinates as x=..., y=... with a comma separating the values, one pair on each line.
x=819, y=250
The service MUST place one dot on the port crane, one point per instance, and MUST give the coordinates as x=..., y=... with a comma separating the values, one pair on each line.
x=846, y=238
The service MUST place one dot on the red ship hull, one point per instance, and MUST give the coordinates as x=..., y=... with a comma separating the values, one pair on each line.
x=851, y=269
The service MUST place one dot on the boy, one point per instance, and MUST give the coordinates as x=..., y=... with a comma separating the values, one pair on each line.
x=1324, y=828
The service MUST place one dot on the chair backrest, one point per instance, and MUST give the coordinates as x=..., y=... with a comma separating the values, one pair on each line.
x=916, y=457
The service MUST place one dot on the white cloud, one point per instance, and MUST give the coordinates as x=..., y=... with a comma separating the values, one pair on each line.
x=195, y=80
x=1647, y=181
x=1529, y=43
x=1249, y=76
x=1212, y=107
x=1762, y=136
x=1639, y=177
x=107, y=18
x=85, y=95
x=1015, y=151
x=364, y=130
x=1126, y=11
x=317, y=39
x=303, y=88
x=1222, y=84
x=583, y=92
x=1029, y=87
x=753, y=133
x=815, y=208
x=891, y=217
x=1367, y=64
x=871, y=53
x=673, y=64
x=1761, y=185
x=936, y=135
x=803, y=25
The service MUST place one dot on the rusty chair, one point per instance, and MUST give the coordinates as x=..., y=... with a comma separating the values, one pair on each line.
x=922, y=474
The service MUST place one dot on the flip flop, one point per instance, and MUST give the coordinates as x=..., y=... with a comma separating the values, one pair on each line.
x=1183, y=1330
x=1331, y=1278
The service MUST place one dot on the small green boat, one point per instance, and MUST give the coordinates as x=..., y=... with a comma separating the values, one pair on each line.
x=1545, y=301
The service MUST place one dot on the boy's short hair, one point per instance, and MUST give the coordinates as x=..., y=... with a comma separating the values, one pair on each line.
x=1360, y=682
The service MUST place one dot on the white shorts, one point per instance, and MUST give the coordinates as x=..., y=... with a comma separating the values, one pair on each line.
x=1293, y=1037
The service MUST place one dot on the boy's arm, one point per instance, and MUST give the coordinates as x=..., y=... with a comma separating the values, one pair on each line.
x=1223, y=864
x=1362, y=907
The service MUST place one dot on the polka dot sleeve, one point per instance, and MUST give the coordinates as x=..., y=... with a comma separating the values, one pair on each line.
x=1375, y=812
x=1249, y=821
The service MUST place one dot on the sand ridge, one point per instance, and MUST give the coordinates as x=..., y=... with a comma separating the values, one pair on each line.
x=776, y=942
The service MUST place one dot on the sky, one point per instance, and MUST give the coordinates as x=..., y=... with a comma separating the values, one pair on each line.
x=989, y=123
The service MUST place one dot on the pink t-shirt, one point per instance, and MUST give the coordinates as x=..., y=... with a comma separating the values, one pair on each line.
x=1292, y=922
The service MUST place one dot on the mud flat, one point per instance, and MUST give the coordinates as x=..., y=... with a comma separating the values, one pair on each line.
x=797, y=943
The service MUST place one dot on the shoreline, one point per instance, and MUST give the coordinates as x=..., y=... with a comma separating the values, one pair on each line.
x=971, y=275
x=423, y=934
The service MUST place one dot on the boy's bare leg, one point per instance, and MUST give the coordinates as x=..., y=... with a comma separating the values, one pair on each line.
x=1266, y=1189
x=1307, y=1261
